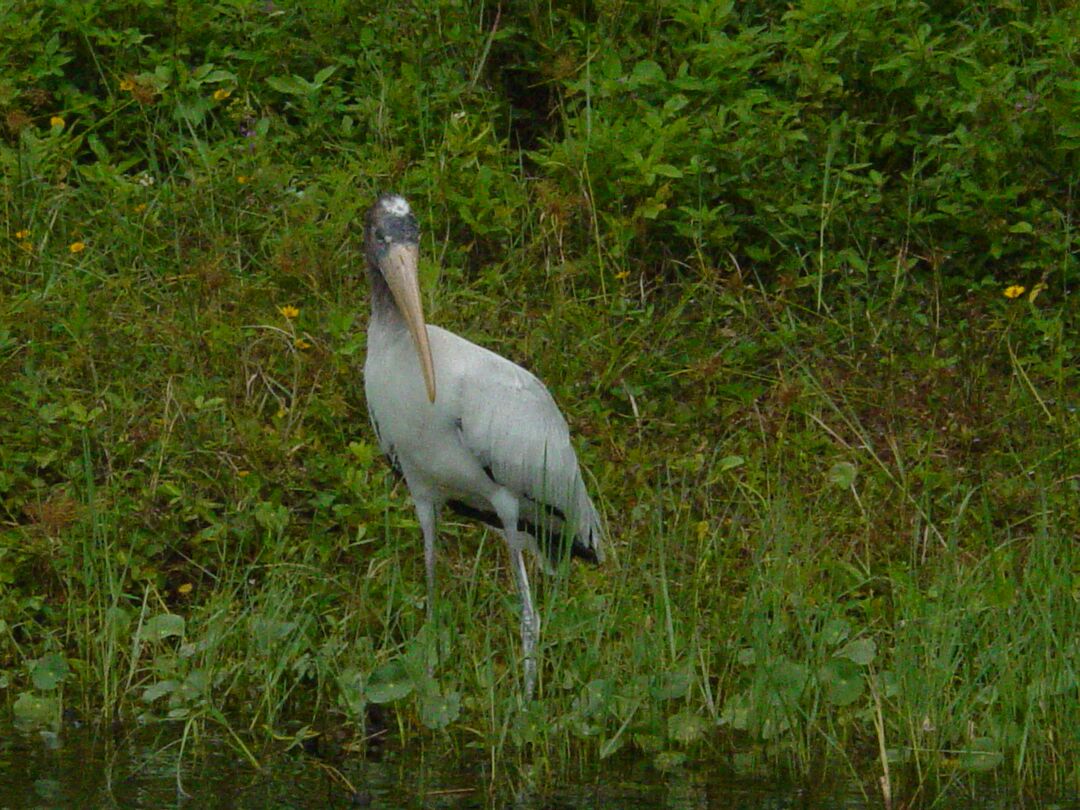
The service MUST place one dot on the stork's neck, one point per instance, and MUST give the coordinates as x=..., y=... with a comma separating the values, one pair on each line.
x=384, y=312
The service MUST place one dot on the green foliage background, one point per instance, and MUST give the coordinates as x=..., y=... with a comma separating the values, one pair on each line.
x=757, y=250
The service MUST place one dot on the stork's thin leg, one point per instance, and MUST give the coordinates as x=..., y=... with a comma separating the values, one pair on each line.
x=530, y=620
x=425, y=513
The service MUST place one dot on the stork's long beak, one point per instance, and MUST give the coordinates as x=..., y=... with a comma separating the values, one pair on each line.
x=400, y=268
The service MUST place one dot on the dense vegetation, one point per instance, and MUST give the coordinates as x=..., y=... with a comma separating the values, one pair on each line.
x=803, y=277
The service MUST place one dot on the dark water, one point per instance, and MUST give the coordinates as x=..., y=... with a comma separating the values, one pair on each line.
x=87, y=768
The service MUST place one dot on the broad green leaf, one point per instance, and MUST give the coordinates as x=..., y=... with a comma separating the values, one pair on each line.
x=159, y=689
x=49, y=671
x=670, y=686
x=835, y=631
x=646, y=72
x=162, y=626
x=730, y=463
x=34, y=710
x=439, y=711
x=667, y=170
x=686, y=727
x=843, y=681
x=861, y=651
x=669, y=760
x=290, y=85
x=980, y=755
x=787, y=677
x=388, y=683
x=736, y=712
x=842, y=474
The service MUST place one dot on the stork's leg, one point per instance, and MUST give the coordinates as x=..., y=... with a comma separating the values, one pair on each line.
x=530, y=619
x=506, y=506
x=425, y=513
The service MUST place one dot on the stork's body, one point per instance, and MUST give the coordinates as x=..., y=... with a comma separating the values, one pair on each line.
x=467, y=428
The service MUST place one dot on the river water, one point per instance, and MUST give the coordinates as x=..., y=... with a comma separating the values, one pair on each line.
x=95, y=768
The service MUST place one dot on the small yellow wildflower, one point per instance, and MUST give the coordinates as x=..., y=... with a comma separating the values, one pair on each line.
x=1014, y=291
x=222, y=94
x=243, y=473
x=76, y=247
x=302, y=344
x=22, y=234
x=56, y=121
x=127, y=85
x=622, y=274
x=185, y=589
x=242, y=179
x=289, y=311
x=138, y=209
x=29, y=248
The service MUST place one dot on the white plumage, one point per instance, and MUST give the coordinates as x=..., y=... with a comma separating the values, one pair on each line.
x=466, y=427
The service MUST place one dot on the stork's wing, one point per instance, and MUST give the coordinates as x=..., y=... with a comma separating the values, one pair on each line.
x=510, y=423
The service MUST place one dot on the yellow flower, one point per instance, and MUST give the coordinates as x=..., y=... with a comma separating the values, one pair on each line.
x=289, y=311
x=56, y=121
x=222, y=94
x=22, y=234
x=243, y=473
x=302, y=344
x=622, y=274
x=76, y=247
x=138, y=209
x=1014, y=291
x=127, y=85
x=185, y=589
x=26, y=246
x=242, y=178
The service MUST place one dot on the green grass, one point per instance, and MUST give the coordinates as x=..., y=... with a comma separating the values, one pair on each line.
x=838, y=465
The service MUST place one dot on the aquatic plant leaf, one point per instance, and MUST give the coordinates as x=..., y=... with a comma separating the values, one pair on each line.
x=388, y=683
x=266, y=631
x=439, y=711
x=351, y=692
x=860, y=651
x=843, y=681
x=669, y=760
x=159, y=689
x=49, y=671
x=788, y=678
x=729, y=463
x=670, y=686
x=686, y=727
x=842, y=474
x=835, y=631
x=736, y=712
x=162, y=626
x=649, y=743
x=34, y=710
x=982, y=754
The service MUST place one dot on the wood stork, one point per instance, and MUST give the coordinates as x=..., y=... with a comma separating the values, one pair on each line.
x=467, y=428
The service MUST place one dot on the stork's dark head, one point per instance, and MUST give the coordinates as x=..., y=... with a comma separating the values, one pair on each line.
x=392, y=244
x=390, y=222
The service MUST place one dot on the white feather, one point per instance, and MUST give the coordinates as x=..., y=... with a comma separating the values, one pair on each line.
x=398, y=206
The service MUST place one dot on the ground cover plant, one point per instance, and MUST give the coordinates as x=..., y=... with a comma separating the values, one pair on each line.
x=802, y=277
